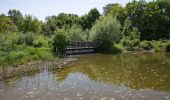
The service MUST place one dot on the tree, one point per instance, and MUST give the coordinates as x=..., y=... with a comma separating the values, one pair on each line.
x=62, y=21
x=76, y=33
x=49, y=26
x=106, y=32
x=66, y=20
x=6, y=25
x=60, y=42
x=31, y=24
x=152, y=19
x=113, y=9
x=89, y=19
x=16, y=17
x=107, y=9
x=116, y=10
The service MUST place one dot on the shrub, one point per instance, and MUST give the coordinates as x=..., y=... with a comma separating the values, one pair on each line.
x=131, y=36
x=8, y=41
x=40, y=41
x=21, y=39
x=168, y=47
x=60, y=42
x=127, y=43
x=76, y=33
x=26, y=38
x=159, y=45
x=29, y=38
x=146, y=45
x=117, y=48
x=106, y=32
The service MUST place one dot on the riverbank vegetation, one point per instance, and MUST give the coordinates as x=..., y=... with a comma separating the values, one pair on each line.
x=139, y=25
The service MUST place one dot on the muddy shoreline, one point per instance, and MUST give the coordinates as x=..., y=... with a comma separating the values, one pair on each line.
x=18, y=70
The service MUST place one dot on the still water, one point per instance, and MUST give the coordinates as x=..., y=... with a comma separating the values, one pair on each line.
x=129, y=76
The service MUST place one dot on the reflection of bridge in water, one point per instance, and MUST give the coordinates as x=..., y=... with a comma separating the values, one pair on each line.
x=82, y=47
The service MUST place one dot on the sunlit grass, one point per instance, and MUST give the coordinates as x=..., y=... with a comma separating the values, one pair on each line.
x=23, y=54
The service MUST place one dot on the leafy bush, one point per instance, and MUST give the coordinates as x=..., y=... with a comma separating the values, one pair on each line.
x=29, y=38
x=40, y=41
x=6, y=25
x=159, y=45
x=60, y=42
x=127, y=43
x=130, y=44
x=76, y=33
x=146, y=45
x=8, y=41
x=117, y=48
x=26, y=38
x=131, y=36
x=21, y=39
x=106, y=32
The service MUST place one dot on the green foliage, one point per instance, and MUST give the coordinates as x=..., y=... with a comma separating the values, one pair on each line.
x=76, y=33
x=40, y=41
x=60, y=42
x=26, y=38
x=31, y=24
x=146, y=45
x=66, y=20
x=116, y=10
x=131, y=36
x=107, y=9
x=50, y=25
x=21, y=39
x=8, y=41
x=62, y=21
x=142, y=21
x=6, y=25
x=117, y=48
x=89, y=19
x=152, y=19
x=160, y=45
x=24, y=54
x=127, y=43
x=168, y=48
x=29, y=38
x=106, y=32
x=113, y=9
x=16, y=17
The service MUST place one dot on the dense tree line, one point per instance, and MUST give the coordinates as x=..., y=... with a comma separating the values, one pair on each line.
x=127, y=26
x=152, y=19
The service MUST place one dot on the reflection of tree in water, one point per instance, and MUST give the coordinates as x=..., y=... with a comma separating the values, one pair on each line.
x=135, y=70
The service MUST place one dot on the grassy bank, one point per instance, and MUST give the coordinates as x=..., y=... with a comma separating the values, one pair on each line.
x=23, y=54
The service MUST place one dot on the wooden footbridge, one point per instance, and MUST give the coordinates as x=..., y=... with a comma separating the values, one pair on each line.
x=81, y=47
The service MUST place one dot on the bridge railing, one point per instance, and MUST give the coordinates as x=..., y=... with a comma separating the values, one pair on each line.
x=81, y=47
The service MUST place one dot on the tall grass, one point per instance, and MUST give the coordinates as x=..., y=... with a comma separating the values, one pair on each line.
x=25, y=54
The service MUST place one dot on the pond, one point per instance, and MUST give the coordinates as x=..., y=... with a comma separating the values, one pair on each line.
x=128, y=76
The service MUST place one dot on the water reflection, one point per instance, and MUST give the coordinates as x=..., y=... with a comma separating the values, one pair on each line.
x=131, y=76
x=137, y=71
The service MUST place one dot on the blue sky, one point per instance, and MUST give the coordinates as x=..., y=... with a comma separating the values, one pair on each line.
x=43, y=8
